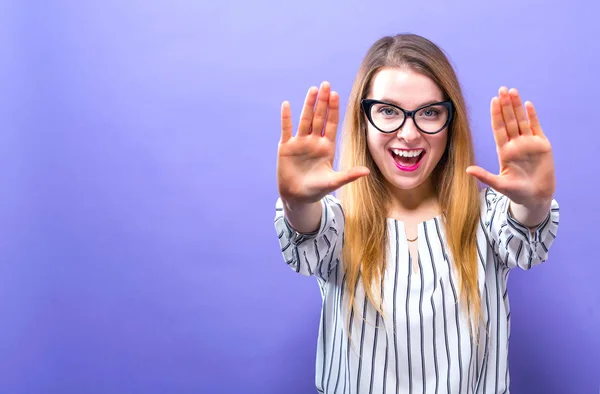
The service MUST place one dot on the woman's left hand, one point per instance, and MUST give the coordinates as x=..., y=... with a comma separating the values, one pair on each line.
x=525, y=155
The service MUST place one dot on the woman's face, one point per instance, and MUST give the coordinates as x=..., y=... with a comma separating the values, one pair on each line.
x=408, y=156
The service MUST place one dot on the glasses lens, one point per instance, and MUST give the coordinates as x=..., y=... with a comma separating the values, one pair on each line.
x=385, y=117
x=430, y=119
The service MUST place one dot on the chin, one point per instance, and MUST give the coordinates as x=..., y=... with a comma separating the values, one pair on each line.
x=409, y=181
x=407, y=184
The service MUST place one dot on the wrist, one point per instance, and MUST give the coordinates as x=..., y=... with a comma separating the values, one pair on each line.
x=538, y=205
x=297, y=207
x=304, y=218
x=530, y=214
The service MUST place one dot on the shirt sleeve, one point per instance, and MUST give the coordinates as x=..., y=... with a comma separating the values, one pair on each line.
x=514, y=244
x=316, y=253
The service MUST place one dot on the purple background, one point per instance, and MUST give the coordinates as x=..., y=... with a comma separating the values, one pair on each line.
x=137, y=169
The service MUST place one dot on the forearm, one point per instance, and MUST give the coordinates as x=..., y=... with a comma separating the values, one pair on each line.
x=530, y=216
x=304, y=218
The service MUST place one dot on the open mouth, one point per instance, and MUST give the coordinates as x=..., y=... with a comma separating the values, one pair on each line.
x=407, y=159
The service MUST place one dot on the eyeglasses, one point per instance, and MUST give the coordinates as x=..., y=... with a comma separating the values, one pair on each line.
x=388, y=118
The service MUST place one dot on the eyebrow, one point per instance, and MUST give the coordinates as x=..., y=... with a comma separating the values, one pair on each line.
x=389, y=100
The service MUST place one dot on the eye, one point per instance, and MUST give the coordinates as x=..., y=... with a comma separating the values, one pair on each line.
x=430, y=112
x=388, y=111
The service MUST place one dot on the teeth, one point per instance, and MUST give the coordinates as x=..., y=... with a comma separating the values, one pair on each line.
x=407, y=153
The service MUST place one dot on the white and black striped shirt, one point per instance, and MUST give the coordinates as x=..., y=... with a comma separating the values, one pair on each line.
x=424, y=344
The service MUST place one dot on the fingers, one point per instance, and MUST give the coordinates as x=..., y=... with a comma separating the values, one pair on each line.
x=321, y=112
x=307, y=112
x=498, y=125
x=356, y=172
x=339, y=179
x=534, y=122
x=322, y=120
x=333, y=116
x=522, y=121
x=486, y=177
x=286, y=121
x=510, y=119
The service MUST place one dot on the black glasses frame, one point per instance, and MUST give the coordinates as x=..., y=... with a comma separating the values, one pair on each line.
x=366, y=105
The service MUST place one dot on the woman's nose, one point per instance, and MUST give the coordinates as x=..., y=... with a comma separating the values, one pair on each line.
x=409, y=131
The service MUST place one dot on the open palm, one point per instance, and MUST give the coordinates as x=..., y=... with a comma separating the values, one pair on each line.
x=524, y=153
x=305, y=171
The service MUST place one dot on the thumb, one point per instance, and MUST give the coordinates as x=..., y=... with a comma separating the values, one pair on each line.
x=339, y=179
x=486, y=177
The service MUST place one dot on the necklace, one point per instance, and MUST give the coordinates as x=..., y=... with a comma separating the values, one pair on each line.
x=412, y=240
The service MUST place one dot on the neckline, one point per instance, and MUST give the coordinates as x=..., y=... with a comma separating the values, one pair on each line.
x=430, y=220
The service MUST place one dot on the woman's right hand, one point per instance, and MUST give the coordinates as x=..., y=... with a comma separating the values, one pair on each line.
x=305, y=171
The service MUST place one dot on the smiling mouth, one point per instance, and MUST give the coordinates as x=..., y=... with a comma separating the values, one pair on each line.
x=407, y=160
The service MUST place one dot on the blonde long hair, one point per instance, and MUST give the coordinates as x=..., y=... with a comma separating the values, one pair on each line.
x=365, y=239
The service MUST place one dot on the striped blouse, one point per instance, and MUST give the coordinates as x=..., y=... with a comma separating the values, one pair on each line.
x=424, y=344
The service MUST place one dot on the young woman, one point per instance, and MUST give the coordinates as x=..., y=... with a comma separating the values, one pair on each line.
x=413, y=258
